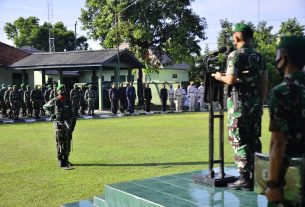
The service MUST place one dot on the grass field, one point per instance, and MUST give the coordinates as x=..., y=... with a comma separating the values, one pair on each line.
x=104, y=152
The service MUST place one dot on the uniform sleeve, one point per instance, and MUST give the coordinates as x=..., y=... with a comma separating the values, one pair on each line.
x=232, y=64
x=278, y=122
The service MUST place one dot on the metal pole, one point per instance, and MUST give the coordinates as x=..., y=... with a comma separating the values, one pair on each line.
x=117, y=69
x=75, y=47
x=211, y=128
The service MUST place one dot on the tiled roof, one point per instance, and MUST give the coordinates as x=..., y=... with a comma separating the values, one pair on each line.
x=76, y=59
x=10, y=55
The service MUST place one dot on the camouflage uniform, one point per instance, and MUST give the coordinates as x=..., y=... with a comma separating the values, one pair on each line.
x=75, y=99
x=245, y=105
x=82, y=101
x=2, y=101
x=7, y=101
x=90, y=97
x=15, y=102
x=287, y=114
x=22, y=104
x=60, y=110
x=27, y=101
x=36, y=98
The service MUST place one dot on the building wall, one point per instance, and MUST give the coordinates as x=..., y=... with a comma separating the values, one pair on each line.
x=6, y=76
x=168, y=75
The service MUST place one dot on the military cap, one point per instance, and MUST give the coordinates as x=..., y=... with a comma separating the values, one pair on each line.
x=242, y=27
x=27, y=86
x=22, y=85
x=297, y=42
x=9, y=85
x=60, y=87
x=3, y=85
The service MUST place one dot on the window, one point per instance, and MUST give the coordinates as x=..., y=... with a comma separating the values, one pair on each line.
x=174, y=76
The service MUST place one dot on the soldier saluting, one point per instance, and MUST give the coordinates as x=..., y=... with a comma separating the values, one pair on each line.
x=60, y=111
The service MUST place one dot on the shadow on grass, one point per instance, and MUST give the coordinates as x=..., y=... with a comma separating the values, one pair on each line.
x=148, y=164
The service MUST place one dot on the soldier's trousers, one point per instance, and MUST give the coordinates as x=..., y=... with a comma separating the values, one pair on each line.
x=29, y=108
x=82, y=106
x=192, y=103
x=63, y=141
x=243, y=137
x=3, y=108
x=178, y=103
x=91, y=106
x=15, y=109
x=123, y=105
x=36, y=107
x=172, y=103
x=147, y=105
x=114, y=106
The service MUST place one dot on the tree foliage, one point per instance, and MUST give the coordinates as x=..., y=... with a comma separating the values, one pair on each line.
x=164, y=26
x=291, y=27
x=28, y=32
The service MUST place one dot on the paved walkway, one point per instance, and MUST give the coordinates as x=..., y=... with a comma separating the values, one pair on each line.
x=98, y=115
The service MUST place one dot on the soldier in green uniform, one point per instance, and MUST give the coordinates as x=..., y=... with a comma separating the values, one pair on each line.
x=22, y=104
x=90, y=97
x=36, y=97
x=287, y=117
x=27, y=101
x=74, y=97
x=7, y=101
x=2, y=101
x=60, y=111
x=15, y=101
x=247, y=75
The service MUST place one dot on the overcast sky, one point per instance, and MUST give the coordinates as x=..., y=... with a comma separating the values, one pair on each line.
x=68, y=11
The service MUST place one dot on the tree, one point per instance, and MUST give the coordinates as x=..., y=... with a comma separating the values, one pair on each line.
x=225, y=35
x=28, y=32
x=165, y=26
x=291, y=27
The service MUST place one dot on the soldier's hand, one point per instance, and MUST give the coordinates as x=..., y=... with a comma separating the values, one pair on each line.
x=274, y=194
x=217, y=75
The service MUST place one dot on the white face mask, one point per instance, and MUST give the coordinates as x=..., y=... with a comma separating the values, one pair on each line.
x=280, y=62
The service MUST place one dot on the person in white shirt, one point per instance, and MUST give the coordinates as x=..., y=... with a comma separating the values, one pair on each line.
x=191, y=96
x=171, y=99
x=201, y=96
x=178, y=98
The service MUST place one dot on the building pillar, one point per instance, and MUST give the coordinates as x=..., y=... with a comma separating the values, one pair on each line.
x=43, y=77
x=60, y=77
x=93, y=76
x=129, y=76
x=23, y=74
x=100, y=88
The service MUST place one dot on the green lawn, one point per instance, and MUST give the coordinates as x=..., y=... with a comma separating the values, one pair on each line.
x=104, y=151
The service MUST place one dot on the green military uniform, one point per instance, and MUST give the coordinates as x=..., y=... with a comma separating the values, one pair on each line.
x=15, y=99
x=27, y=101
x=75, y=98
x=90, y=97
x=36, y=98
x=2, y=101
x=244, y=104
x=287, y=108
x=60, y=110
x=22, y=104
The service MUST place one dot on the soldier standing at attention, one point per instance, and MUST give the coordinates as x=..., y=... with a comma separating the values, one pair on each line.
x=82, y=101
x=114, y=98
x=60, y=111
x=90, y=97
x=7, y=101
x=131, y=97
x=147, y=97
x=15, y=101
x=201, y=96
x=191, y=95
x=36, y=98
x=163, y=97
x=53, y=92
x=178, y=98
x=247, y=74
x=122, y=98
x=75, y=99
x=47, y=93
x=171, y=94
x=27, y=101
x=184, y=100
x=22, y=104
x=2, y=101
x=287, y=117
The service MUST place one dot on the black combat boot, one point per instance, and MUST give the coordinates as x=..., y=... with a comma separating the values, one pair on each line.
x=243, y=183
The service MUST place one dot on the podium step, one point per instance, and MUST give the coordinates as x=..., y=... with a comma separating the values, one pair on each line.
x=82, y=203
x=176, y=190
